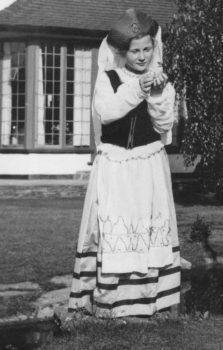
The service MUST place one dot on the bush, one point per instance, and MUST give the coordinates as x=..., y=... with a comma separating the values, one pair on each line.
x=194, y=62
x=200, y=230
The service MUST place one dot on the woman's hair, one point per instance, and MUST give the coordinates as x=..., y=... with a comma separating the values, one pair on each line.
x=133, y=24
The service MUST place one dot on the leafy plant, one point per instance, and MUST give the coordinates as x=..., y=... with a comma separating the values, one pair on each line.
x=201, y=232
x=194, y=62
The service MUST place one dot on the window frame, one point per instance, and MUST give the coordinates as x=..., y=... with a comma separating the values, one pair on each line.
x=18, y=147
x=31, y=108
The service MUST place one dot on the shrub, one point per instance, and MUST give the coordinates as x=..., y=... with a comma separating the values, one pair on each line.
x=200, y=230
x=194, y=62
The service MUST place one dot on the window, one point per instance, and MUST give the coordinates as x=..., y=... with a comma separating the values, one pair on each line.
x=13, y=84
x=45, y=95
x=49, y=95
x=63, y=96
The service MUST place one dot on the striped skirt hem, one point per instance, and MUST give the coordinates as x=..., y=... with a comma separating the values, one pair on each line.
x=119, y=295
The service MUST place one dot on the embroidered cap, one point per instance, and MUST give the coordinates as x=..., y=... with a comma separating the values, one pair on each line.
x=131, y=24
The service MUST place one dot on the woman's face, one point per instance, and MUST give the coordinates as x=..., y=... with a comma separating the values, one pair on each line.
x=139, y=55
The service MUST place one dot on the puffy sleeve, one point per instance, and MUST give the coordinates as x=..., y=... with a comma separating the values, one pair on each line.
x=110, y=105
x=161, y=109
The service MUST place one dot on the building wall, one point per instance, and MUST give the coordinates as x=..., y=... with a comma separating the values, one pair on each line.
x=66, y=164
x=43, y=164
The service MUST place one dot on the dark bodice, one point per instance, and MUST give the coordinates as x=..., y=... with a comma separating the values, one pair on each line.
x=133, y=130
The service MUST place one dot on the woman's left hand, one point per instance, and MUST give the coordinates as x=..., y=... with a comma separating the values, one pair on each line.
x=160, y=80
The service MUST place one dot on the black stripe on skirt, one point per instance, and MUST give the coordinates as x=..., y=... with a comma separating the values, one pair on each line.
x=86, y=255
x=144, y=301
x=94, y=254
x=81, y=294
x=127, y=282
x=77, y=276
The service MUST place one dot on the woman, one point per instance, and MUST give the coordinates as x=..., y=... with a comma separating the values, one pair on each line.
x=128, y=260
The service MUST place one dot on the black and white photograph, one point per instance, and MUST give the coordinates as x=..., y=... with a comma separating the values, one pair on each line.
x=111, y=174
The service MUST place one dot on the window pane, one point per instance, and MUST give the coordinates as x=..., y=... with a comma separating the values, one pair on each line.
x=70, y=74
x=70, y=87
x=87, y=89
x=86, y=128
x=57, y=74
x=86, y=113
x=48, y=60
x=70, y=101
x=77, y=115
x=49, y=74
x=13, y=94
x=70, y=61
x=69, y=114
x=21, y=114
x=57, y=60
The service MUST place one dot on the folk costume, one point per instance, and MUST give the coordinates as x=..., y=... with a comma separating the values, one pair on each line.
x=128, y=260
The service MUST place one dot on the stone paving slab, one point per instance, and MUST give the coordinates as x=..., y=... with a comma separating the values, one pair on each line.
x=13, y=293
x=59, y=296
x=22, y=286
x=66, y=280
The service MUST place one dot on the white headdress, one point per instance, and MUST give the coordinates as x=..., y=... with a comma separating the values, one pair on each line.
x=109, y=58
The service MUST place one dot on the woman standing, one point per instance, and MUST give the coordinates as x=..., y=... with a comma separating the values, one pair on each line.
x=127, y=260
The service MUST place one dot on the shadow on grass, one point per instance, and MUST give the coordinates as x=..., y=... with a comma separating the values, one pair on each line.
x=189, y=197
x=206, y=293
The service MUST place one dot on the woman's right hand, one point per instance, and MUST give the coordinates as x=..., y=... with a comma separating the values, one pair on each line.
x=146, y=81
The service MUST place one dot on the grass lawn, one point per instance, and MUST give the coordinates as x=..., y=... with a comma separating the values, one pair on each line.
x=164, y=335
x=38, y=236
x=38, y=239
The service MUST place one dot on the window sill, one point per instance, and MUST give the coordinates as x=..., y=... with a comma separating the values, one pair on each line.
x=77, y=150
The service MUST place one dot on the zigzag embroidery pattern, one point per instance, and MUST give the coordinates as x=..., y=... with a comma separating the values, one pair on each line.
x=133, y=238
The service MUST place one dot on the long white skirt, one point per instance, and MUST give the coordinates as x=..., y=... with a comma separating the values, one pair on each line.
x=127, y=260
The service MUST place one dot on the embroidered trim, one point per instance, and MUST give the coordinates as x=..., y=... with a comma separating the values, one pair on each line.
x=120, y=237
x=146, y=156
x=130, y=74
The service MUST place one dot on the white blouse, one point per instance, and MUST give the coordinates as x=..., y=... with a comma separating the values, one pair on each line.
x=109, y=106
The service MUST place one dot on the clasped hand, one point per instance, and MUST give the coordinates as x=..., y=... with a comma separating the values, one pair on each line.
x=150, y=79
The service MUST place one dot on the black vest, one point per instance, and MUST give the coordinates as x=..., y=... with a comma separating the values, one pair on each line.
x=133, y=130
